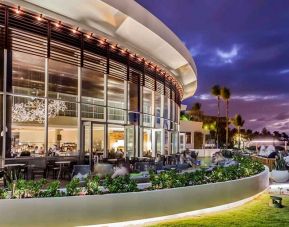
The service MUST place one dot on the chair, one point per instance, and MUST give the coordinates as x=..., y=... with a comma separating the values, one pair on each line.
x=80, y=170
x=39, y=168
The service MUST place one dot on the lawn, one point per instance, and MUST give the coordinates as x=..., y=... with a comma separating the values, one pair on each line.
x=254, y=213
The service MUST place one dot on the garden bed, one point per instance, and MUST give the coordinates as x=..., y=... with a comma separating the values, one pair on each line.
x=117, y=207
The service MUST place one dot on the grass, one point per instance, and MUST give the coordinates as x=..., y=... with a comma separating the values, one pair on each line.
x=255, y=213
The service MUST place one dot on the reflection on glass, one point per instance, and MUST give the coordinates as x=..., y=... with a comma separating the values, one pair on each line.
x=133, y=97
x=92, y=112
x=28, y=74
x=147, y=100
x=166, y=107
x=63, y=81
x=130, y=141
x=115, y=92
x=158, y=104
x=116, y=115
x=92, y=87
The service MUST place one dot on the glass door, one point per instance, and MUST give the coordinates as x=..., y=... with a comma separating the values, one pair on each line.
x=130, y=141
x=93, y=140
x=158, y=142
x=182, y=142
x=87, y=142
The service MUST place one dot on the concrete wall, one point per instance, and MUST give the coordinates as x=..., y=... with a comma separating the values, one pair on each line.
x=89, y=210
x=192, y=127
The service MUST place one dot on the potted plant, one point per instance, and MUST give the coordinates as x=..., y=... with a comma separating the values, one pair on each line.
x=280, y=174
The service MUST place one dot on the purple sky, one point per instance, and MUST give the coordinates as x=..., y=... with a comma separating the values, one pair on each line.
x=241, y=44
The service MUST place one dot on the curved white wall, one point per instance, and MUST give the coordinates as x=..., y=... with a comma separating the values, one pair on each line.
x=89, y=210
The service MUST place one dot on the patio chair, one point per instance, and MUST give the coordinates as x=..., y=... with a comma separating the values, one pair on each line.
x=38, y=168
x=80, y=172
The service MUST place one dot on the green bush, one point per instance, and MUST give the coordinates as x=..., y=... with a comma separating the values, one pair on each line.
x=3, y=193
x=167, y=179
x=92, y=185
x=120, y=184
x=171, y=179
x=72, y=188
x=52, y=190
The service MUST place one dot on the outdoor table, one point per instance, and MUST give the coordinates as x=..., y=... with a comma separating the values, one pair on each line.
x=61, y=165
x=112, y=160
x=14, y=165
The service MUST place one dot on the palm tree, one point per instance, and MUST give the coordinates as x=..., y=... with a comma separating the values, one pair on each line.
x=238, y=123
x=196, y=109
x=226, y=94
x=216, y=91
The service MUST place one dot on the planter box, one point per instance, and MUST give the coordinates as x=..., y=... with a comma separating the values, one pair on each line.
x=98, y=209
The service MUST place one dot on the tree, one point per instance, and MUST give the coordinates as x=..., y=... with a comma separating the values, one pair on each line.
x=266, y=132
x=216, y=91
x=226, y=94
x=238, y=123
x=196, y=111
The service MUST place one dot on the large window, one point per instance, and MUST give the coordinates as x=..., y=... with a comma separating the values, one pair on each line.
x=63, y=81
x=28, y=74
x=92, y=94
x=116, y=99
x=62, y=129
x=92, y=87
x=147, y=100
x=27, y=135
x=133, y=97
x=115, y=92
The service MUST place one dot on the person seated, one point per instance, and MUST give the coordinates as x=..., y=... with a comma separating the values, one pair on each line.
x=194, y=155
x=121, y=170
x=218, y=158
x=263, y=151
x=273, y=154
x=119, y=153
x=189, y=158
x=158, y=159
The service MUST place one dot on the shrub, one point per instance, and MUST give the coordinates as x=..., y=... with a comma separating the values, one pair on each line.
x=92, y=185
x=3, y=193
x=120, y=184
x=72, y=188
x=168, y=179
x=52, y=190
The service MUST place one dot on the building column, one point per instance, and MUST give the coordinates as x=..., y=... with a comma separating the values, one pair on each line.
x=4, y=106
x=79, y=123
x=46, y=81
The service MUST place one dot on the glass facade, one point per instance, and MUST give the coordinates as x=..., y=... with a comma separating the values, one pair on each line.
x=78, y=100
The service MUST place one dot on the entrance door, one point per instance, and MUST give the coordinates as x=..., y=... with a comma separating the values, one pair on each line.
x=158, y=142
x=93, y=140
x=87, y=142
x=182, y=142
x=130, y=141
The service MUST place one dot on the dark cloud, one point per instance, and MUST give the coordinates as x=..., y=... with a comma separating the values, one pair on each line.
x=241, y=44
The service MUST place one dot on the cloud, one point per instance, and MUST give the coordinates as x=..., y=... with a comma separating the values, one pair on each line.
x=228, y=56
x=284, y=71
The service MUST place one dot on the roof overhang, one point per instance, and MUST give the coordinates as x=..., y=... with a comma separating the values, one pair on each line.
x=131, y=26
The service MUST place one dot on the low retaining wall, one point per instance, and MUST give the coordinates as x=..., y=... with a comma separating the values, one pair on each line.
x=98, y=209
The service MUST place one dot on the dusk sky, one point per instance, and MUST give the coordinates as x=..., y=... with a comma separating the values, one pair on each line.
x=240, y=44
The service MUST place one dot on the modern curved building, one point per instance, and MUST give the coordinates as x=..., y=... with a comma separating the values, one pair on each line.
x=82, y=76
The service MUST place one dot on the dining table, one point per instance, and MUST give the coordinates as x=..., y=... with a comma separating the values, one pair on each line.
x=61, y=164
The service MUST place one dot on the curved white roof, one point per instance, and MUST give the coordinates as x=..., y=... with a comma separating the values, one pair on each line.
x=131, y=26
